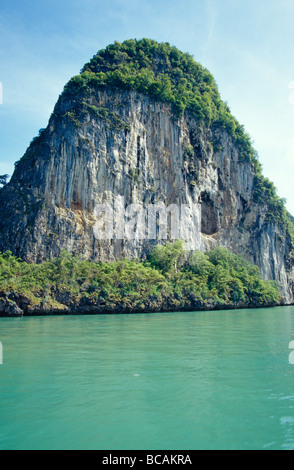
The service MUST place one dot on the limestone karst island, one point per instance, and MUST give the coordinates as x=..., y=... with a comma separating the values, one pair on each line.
x=143, y=194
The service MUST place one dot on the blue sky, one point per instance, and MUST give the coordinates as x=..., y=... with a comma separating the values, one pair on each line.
x=248, y=46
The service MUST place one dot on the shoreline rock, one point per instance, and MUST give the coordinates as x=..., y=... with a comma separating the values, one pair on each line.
x=8, y=308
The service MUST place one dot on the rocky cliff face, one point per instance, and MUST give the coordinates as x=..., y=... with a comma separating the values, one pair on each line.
x=120, y=147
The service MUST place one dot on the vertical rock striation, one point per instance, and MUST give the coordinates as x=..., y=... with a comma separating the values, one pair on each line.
x=121, y=147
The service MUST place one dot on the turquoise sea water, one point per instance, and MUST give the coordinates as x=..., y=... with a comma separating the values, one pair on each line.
x=208, y=380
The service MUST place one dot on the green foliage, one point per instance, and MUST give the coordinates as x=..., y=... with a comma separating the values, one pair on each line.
x=169, y=277
x=290, y=224
x=166, y=74
x=189, y=152
x=238, y=280
x=73, y=117
x=166, y=258
x=265, y=193
x=290, y=219
x=134, y=174
x=112, y=120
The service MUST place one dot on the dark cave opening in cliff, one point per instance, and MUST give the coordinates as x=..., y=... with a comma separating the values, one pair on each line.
x=209, y=218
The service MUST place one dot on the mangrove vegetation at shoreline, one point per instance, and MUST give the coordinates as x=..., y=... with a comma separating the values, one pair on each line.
x=171, y=279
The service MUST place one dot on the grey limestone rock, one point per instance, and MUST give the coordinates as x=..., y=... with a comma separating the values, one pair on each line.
x=120, y=147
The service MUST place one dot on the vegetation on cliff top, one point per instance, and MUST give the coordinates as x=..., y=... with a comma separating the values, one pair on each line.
x=167, y=74
x=171, y=278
